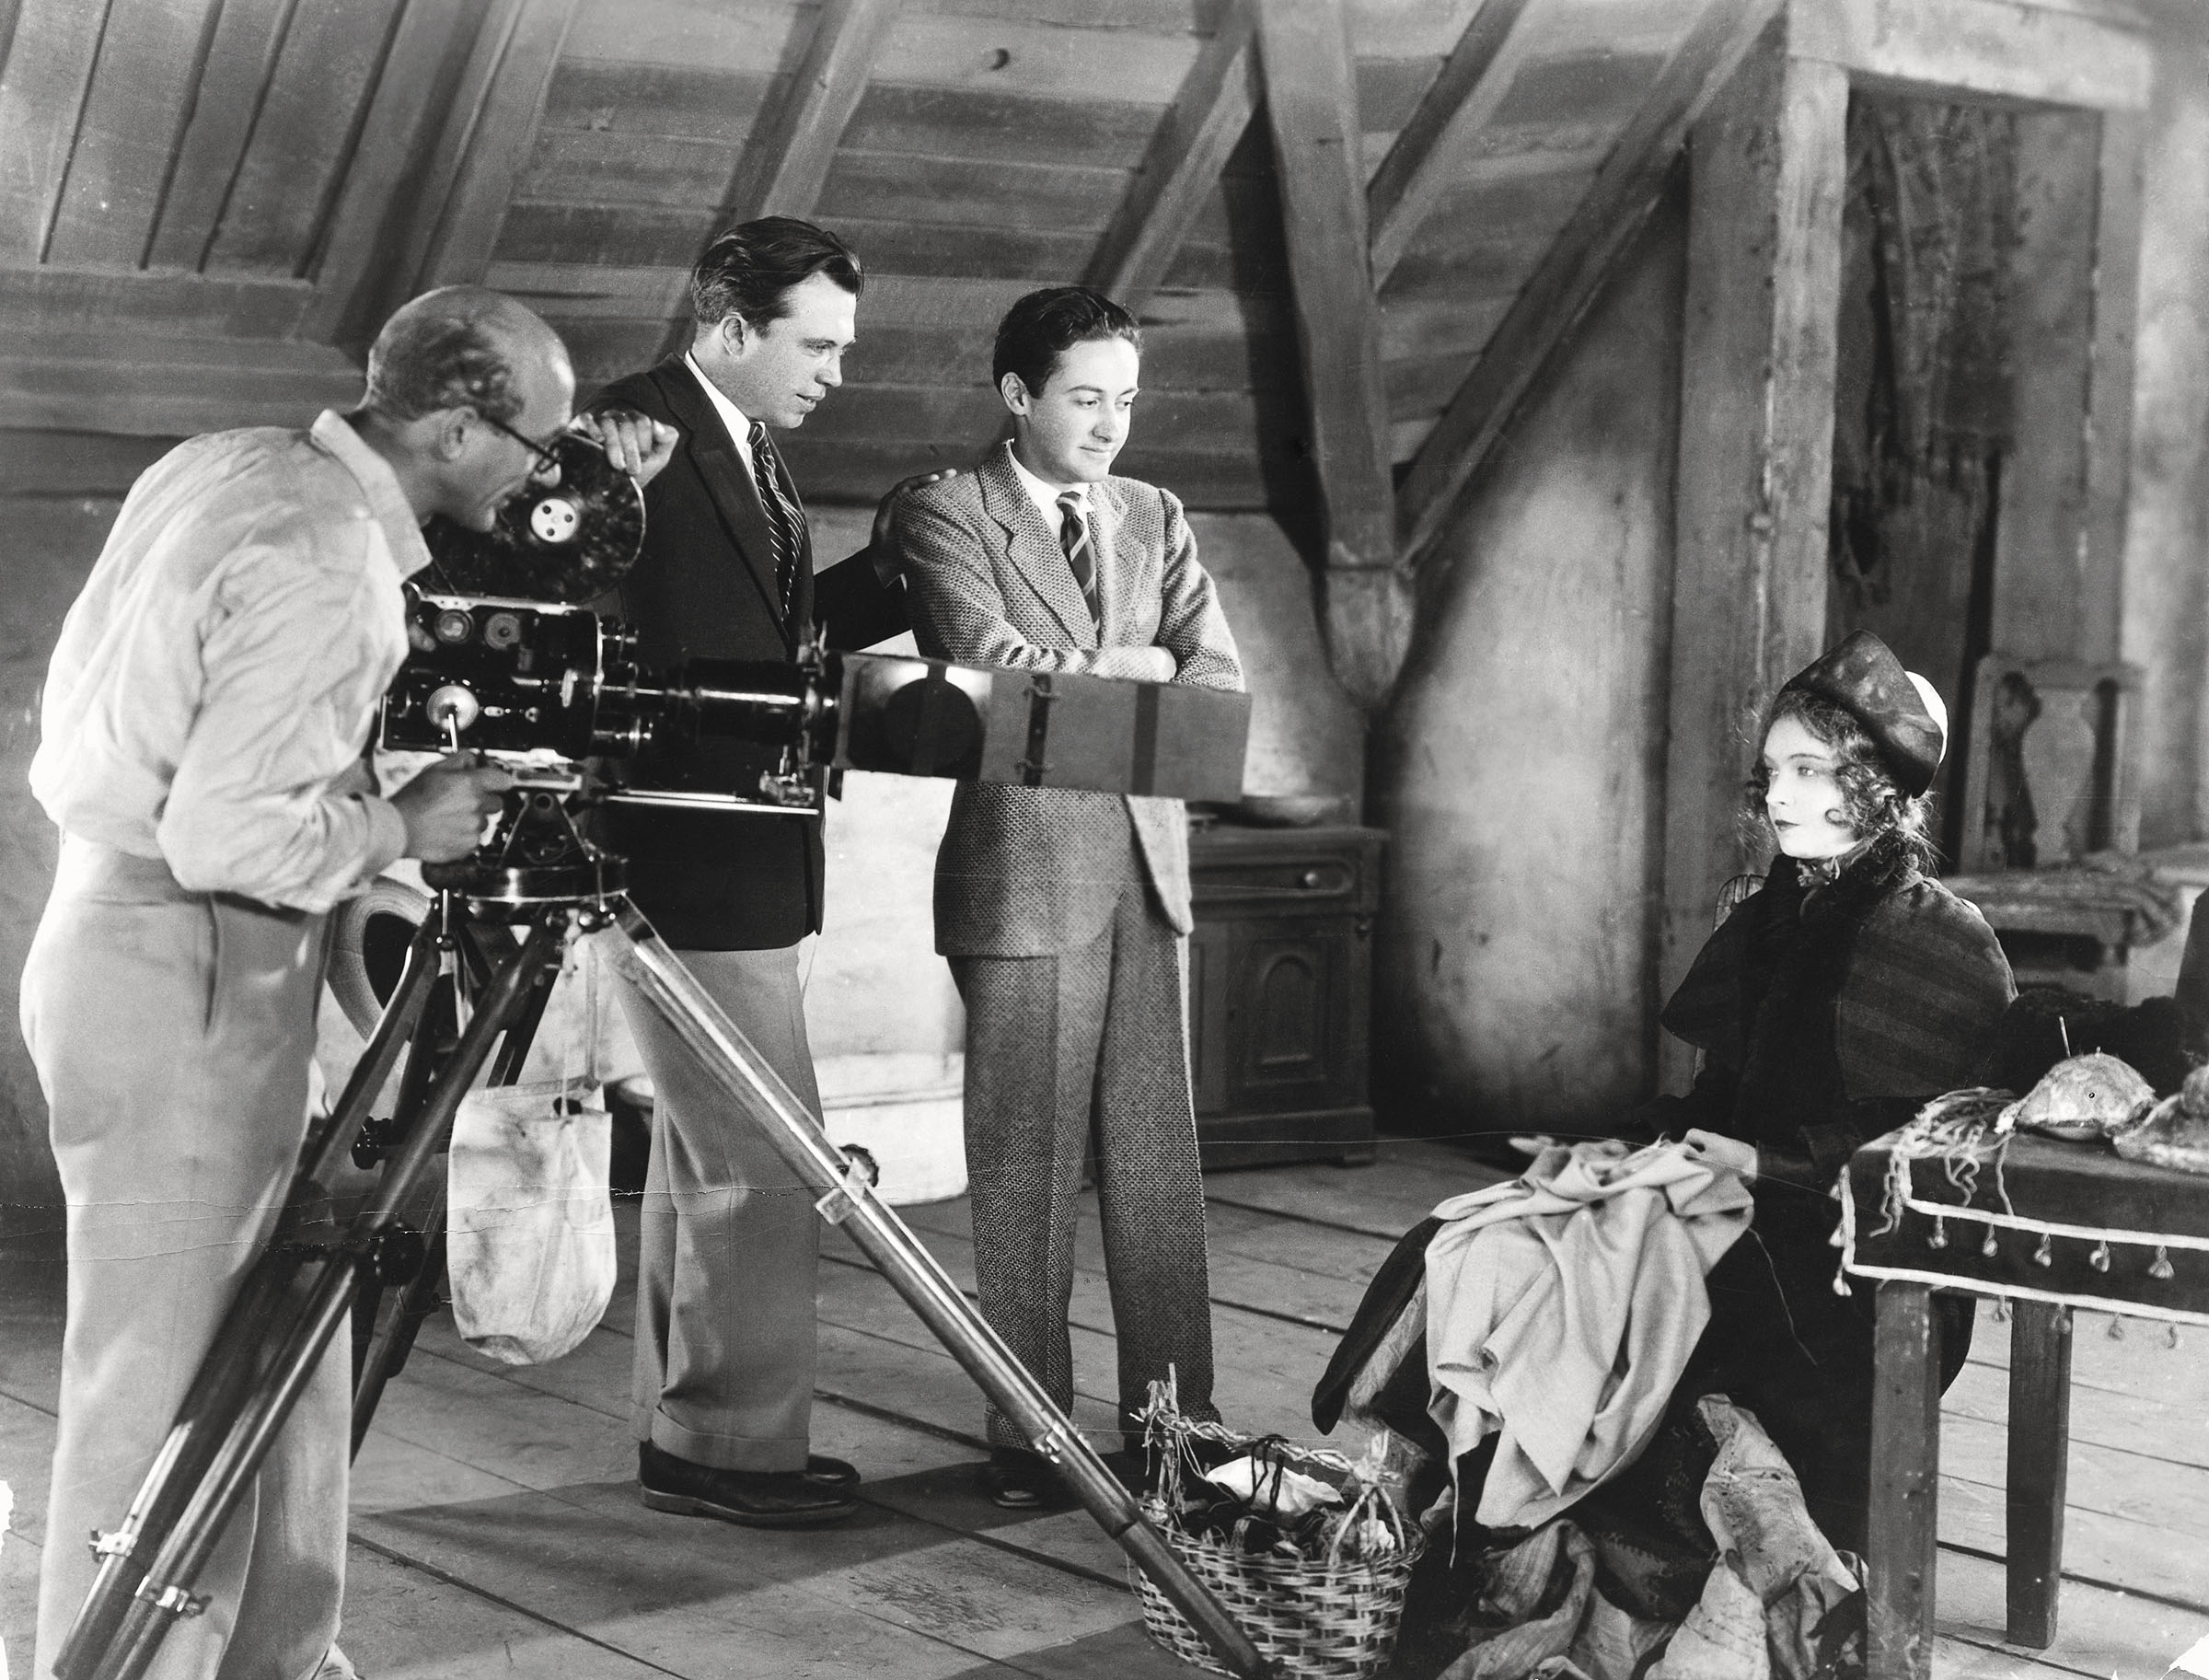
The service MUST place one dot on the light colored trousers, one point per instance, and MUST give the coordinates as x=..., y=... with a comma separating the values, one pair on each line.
x=171, y=1032
x=726, y=1336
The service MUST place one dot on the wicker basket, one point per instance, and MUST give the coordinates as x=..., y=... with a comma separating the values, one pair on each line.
x=1332, y=1619
x=1319, y=1621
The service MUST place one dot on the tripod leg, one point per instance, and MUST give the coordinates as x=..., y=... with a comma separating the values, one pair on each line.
x=655, y=971
x=436, y=1028
x=385, y=1355
x=380, y=1350
x=249, y=1428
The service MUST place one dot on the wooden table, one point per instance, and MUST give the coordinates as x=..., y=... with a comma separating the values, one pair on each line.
x=2047, y=1227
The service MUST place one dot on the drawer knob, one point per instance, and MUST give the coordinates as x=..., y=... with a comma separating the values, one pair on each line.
x=1311, y=878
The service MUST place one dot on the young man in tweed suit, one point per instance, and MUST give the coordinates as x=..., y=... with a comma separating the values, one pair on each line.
x=1063, y=912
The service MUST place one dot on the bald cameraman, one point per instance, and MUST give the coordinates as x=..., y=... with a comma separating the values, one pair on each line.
x=201, y=750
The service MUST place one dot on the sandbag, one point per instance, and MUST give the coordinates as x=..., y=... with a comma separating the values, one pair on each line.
x=529, y=1227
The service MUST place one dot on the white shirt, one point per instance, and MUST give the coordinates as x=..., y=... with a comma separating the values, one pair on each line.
x=216, y=680
x=732, y=417
x=1045, y=496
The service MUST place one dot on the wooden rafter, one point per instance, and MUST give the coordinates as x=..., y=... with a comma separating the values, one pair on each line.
x=418, y=75
x=1312, y=103
x=486, y=142
x=1992, y=49
x=43, y=89
x=240, y=55
x=786, y=164
x=1624, y=191
x=1474, y=80
x=1183, y=164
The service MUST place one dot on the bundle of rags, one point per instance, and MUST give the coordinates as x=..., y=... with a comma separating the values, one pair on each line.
x=1778, y=1602
x=1553, y=1314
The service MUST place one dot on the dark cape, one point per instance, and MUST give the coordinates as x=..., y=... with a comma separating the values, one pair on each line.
x=1827, y=1015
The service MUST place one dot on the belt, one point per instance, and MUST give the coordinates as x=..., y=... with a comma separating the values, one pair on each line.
x=91, y=868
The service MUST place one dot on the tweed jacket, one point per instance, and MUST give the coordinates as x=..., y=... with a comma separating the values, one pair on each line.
x=1028, y=872
x=704, y=587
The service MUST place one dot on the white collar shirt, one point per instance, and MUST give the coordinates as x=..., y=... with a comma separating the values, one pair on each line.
x=216, y=682
x=732, y=417
x=1045, y=496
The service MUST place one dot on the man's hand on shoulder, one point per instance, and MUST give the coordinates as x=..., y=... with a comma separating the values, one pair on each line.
x=882, y=547
x=637, y=445
x=444, y=806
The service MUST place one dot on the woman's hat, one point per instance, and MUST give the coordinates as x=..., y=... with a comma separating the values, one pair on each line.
x=1899, y=710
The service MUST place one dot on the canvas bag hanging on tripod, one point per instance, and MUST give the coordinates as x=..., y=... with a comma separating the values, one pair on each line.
x=529, y=1235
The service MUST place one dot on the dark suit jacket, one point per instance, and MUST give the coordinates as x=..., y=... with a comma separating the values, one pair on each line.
x=705, y=588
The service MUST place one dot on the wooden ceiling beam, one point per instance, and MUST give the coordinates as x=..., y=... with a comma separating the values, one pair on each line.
x=43, y=86
x=1311, y=95
x=240, y=55
x=1461, y=102
x=489, y=133
x=354, y=290
x=1624, y=191
x=786, y=162
x=1208, y=117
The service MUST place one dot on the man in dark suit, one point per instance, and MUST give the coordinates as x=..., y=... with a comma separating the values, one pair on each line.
x=725, y=1320
x=1063, y=912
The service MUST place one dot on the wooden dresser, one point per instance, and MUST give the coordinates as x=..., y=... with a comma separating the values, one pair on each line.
x=1281, y=991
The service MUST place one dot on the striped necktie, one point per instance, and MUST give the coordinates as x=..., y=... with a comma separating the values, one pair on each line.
x=781, y=515
x=1080, y=555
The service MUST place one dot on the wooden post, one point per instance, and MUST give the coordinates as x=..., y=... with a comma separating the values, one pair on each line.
x=1755, y=471
x=2039, y=1461
x=1905, y=1484
x=1311, y=101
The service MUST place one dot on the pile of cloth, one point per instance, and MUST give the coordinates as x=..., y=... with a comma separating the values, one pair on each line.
x=1529, y=1338
x=1779, y=1599
x=1554, y=1312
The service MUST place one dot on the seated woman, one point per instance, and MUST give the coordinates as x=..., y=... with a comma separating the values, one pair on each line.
x=1830, y=1005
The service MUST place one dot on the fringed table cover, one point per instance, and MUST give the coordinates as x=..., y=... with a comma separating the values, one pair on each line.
x=2029, y=1218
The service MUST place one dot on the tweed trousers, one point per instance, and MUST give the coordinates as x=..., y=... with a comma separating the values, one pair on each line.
x=171, y=1031
x=1061, y=1048
x=728, y=1243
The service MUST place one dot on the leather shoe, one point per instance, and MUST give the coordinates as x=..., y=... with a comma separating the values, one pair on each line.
x=823, y=1471
x=755, y=1499
x=1015, y=1480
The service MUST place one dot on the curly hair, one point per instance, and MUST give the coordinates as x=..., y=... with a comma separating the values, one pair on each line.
x=422, y=363
x=1042, y=325
x=1872, y=803
x=748, y=270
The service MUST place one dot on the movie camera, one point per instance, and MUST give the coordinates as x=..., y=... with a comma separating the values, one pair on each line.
x=508, y=658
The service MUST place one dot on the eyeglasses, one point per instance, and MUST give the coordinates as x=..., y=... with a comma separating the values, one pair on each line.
x=548, y=463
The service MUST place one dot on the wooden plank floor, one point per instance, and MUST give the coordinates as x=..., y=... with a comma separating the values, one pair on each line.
x=496, y=1526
